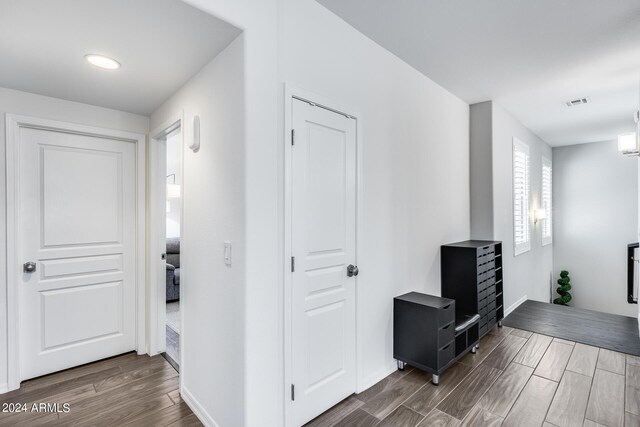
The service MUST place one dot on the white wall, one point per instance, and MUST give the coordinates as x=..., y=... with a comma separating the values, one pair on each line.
x=174, y=166
x=405, y=117
x=213, y=294
x=15, y=102
x=492, y=131
x=595, y=205
x=529, y=273
x=415, y=163
x=263, y=389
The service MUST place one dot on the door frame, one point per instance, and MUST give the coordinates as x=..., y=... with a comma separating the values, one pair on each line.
x=157, y=221
x=13, y=124
x=292, y=93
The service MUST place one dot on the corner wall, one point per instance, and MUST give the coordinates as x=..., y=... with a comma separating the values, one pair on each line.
x=481, y=170
x=527, y=275
x=213, y=294
x=595, y=204
x=262, y=384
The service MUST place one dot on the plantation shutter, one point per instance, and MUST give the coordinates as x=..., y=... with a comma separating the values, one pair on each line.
x=521, y=185
x=547, y=188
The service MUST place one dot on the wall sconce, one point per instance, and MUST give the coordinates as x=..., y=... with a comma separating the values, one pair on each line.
x=173, y=189
x=539, y=215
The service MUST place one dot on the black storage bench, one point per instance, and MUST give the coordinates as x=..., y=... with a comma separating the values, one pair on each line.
x=427, y=334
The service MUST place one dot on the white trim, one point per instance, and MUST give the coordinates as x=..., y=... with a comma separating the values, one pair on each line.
x=197, y=408
x=514, y=306
x=141, y=240
x=291, y=92
x=13, y=300
x=157, y=221
x=13, y=125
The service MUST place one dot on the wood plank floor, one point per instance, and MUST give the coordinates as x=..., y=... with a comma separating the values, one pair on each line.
x=517, y=378
x=610, y=331
x=127, y=390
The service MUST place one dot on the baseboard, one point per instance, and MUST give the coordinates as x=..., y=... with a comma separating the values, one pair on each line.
x=514, y=306
x=4, y=388
x=377, y=377
x=197, y=408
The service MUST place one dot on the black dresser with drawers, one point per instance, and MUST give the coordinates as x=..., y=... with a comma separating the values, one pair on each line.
x=427, y=333
x=424, y=331
x=472, y=276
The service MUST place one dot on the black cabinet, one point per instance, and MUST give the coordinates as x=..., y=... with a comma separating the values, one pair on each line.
x=424, y=332
x=472, y=276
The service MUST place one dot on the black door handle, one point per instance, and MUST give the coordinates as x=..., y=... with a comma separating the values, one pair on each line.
x=352, y=270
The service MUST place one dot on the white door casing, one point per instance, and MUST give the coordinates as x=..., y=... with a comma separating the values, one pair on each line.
x=323, y=242
x=156, y=268
x=77, y=218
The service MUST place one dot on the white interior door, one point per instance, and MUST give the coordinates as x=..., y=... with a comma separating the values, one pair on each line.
x=323, y=242
x=77, y=224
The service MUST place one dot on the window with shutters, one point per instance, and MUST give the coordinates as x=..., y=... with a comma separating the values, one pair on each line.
x=547, y=188
x=521, y=186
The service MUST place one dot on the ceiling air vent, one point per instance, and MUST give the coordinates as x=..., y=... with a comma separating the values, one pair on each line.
x=575, y=102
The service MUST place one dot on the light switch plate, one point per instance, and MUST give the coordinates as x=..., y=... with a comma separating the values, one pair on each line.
x=227, y=252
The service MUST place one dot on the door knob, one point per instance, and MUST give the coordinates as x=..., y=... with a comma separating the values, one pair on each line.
x=352, y=270
x=29, y=267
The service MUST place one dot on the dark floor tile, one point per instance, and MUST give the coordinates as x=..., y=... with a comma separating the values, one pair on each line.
x=429, y=396
x=460, y=401
x=396, y=393
x=401, y=417
x=336, y=414
x=358, y=418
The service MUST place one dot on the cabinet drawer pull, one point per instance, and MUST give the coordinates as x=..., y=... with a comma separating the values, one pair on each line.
x=446, y=307
x=445, y=347
x=446, y=327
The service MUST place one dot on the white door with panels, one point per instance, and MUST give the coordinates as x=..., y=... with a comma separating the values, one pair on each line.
x=323, y=243
x=76, y=243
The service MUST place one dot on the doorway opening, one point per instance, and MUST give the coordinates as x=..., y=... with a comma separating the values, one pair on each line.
x=173, y=150
x=165, y=237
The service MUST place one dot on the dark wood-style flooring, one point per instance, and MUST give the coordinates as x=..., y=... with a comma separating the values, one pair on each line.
x=127, y=390
x=517, y=378
x=610, y=331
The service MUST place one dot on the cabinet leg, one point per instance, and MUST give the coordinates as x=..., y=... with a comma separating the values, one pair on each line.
x=435, y=379
x=401, y=365
x=500, y=324
x=474, y=349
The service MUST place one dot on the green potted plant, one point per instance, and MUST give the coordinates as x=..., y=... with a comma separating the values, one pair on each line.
x=563, y=289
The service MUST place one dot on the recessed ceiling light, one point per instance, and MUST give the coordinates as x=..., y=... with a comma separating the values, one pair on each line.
x=102, y=61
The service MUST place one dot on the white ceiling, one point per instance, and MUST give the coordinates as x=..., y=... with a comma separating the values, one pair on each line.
x=161, y=44
x=528, y=56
